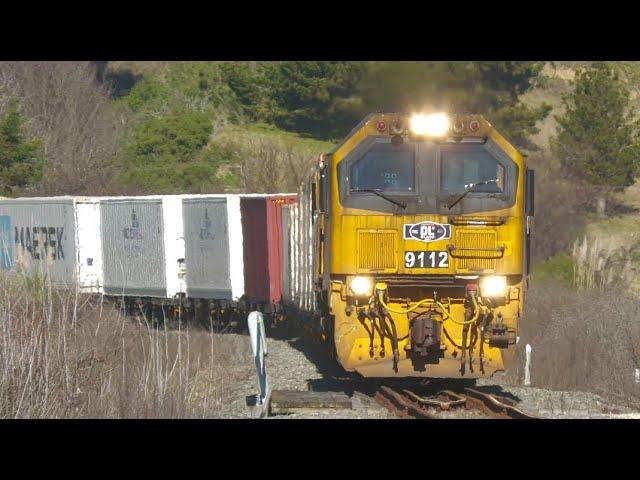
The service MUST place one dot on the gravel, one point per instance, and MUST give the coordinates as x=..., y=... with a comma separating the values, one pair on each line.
x=562, y=404
x=300, y=364
x=292, y=364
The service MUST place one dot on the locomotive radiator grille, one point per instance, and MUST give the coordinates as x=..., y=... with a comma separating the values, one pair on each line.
x=479, y=255
x=377, y=251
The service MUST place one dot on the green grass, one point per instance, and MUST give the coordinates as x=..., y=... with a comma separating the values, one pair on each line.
x=559, y=268
x=242, y=132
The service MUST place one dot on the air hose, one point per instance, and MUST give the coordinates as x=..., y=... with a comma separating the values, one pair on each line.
x=429, y=300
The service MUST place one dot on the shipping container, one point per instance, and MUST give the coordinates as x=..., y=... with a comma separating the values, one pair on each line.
x=299, y=278
x=262, y=246
x=142, y=246
x=213, y=247
x=38, y=237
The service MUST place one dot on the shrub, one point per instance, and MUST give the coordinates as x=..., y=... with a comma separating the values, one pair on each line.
x=581, y=340
x=69, y=355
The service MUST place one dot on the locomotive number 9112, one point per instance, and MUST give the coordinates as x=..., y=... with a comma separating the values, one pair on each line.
x=422, y=259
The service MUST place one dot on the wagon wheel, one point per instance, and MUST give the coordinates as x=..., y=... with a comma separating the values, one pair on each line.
x=157, y=315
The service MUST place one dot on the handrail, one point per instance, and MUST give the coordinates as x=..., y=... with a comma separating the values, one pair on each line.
x=500, y=249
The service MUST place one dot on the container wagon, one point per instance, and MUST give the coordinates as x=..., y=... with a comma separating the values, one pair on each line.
x=220, y=255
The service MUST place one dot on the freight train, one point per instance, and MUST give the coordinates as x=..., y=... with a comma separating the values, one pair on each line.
x=407, y=246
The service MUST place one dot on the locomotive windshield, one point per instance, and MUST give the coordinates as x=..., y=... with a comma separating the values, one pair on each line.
x=421, y=177
x=385, y=167
x=466, y=165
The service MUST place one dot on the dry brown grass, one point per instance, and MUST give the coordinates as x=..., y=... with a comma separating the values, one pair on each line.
x=585, y=340
x=65, y=355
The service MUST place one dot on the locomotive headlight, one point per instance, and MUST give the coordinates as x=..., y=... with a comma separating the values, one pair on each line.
x=432, y=125
x=493, y=286
x=362, y=286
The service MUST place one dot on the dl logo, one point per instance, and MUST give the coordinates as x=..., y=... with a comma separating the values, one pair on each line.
x=427, y=231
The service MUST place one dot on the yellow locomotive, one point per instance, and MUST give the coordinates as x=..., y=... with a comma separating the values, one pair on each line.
x=418, y=233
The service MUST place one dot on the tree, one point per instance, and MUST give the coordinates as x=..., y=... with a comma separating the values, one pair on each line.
x=169, y=154
x=21, y=160
x=71, y=113
x=314, y=98
x=597, y=138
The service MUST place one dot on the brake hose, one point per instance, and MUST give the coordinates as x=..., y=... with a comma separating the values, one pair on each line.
x=429, y=300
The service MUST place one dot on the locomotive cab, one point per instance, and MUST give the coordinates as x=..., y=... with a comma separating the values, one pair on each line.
x=421, y=226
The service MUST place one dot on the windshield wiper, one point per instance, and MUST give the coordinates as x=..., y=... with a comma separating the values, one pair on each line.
x=468, y=190
x=379, y=193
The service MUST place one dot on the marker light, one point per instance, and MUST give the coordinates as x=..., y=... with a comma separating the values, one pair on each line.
x=397, y=128
x=433, y=125
x=362, y=286
x=493, y=286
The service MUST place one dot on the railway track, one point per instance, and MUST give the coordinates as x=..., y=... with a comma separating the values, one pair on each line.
x=407, y=404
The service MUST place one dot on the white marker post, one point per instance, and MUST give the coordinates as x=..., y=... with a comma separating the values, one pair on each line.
x=259, y=347
x=527, y=366
x=637, y=375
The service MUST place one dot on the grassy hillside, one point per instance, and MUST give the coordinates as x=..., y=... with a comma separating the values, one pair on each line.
x=605, y=250
x=195, y=127
x=555, y=82
x=263, y=158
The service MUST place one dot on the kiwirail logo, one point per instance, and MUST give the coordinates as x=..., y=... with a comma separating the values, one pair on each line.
x=427, y=231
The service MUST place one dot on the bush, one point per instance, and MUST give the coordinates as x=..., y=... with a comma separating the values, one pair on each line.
x=561, y=206
x=559, y=267
x=170, y=155
x=267, y=164
x=581, y=340
x=67, y=355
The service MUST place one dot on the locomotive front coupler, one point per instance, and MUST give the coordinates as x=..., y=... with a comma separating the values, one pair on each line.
x=499, y=334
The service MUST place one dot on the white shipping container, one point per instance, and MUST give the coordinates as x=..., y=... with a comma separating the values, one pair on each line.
x=156, y=263
x=301, y=245
x=41, y=235
x=146, y=245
